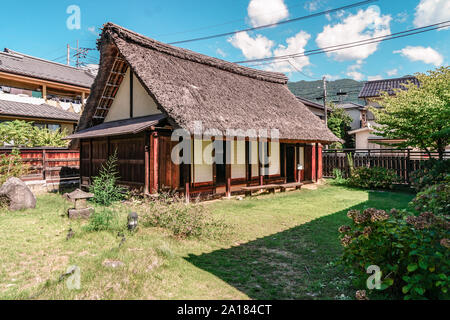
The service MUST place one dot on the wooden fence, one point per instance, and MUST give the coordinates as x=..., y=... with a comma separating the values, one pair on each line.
x=403, y=162
x=52, y=165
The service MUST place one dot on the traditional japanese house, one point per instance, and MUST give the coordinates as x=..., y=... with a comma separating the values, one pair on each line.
x=146, y=89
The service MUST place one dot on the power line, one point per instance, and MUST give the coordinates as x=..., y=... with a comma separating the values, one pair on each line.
x=355, y=43
x=357, y=4
x=219, y=25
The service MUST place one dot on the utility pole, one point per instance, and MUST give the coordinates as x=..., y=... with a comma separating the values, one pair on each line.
x=325, y=99
x=68, y=54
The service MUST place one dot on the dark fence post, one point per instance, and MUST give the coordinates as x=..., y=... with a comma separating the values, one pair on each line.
x=408, y=166
x=44, y=165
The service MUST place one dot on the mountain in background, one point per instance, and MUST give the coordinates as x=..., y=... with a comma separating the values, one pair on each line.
x=312, y=89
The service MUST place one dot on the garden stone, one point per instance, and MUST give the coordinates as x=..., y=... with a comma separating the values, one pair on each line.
x=113, y=264
x=18, y=195
x=80, y=213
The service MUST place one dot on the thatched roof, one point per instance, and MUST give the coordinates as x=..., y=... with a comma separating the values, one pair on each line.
x=189, y=87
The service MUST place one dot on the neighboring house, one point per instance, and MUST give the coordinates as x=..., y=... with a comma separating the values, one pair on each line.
x=370, y=93
x=146, y=89
x=50, y=94
x=356, y=112
x=316, y=108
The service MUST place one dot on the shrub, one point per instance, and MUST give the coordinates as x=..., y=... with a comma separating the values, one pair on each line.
x=411, y=251
x=432, y=172
x=338, y=178
x=183, y=220
x=104, y=186
x=24, y=134
x=372, y=178
x=104, y=220
x=435, y=199
x=11, y=165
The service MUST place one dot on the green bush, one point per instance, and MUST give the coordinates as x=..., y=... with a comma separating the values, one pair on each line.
x=104, y=186
x=183, y=220
x=372, y=178
x=104, y=220
x=24, y=134
x=435, y=199
x=338, y=179
x=433, y=172
x=411, y=251
x=11, y=165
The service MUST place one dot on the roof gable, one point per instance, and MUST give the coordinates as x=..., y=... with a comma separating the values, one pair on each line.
x=190, y=87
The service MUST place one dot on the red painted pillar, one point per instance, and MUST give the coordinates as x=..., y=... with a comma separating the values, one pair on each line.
x=313, y=163
x=319, y=161
x=155, y=162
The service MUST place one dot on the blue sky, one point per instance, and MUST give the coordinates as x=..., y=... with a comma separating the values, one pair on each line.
x=39, y=29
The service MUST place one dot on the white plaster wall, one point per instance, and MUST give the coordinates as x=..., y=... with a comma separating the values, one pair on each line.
x=143, y=104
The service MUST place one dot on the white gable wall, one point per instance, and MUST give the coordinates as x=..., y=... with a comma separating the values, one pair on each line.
x=143, y=104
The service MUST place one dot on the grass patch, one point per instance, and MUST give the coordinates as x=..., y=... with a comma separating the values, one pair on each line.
x=282, y=246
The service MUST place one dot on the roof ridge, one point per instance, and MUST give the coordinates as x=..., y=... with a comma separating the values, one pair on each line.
x=392, y=79
x=186, y=54
x=12, y=52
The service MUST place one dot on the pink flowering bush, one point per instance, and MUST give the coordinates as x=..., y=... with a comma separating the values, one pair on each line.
x=411, y=251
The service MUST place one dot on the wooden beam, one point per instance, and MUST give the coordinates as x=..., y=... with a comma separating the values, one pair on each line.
x=44, y=92
x=41, y=82
x=228, y=153
x=131, y=94
x=147, y=164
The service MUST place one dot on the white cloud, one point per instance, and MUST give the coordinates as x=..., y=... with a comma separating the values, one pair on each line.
x=252, y=48
x=262, y=12
x=355, y=75
x=432, y=11
x=401, y=17
x=427, y=55
x=221, y=53
x=331, y=77
x=374, y=78
x=313, y=5
x=364, y=25
x=295, y=44
x=92, y=30
x=392, y=72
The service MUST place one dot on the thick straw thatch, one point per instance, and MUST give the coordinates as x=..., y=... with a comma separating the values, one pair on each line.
x=190, y=87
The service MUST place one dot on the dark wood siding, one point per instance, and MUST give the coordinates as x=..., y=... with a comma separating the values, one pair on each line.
x=130, y=154
x=169, y=173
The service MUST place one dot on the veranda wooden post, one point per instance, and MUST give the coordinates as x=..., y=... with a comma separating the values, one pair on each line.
x=228, y=168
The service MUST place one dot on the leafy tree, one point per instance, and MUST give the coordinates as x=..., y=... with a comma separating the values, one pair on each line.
x=339, y=122
x=24, y=134
x=418, y=115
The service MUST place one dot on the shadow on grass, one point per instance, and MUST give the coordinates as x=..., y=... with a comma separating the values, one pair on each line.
x=298, y=263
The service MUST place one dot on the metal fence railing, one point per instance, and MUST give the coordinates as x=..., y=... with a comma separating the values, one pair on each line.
x=402, y=161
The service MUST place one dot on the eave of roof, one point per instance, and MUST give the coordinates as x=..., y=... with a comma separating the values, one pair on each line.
x=120, y=127
x=35, y=111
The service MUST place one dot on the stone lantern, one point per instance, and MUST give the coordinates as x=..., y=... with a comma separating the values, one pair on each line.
x=81, y=210
x=132, y=221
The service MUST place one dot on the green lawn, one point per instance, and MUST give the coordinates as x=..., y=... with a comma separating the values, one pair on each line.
x=281, y=246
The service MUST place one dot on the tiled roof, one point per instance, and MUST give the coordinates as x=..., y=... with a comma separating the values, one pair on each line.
x=373, y=88
x=120, y=127
x=21, y=64
x=350, y=105
x=40, y=111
